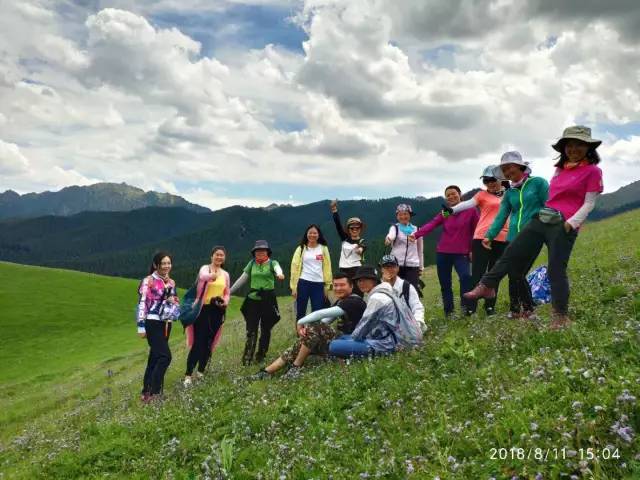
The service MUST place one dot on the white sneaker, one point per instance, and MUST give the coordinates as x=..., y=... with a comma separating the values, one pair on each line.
x=199, y=375
x=187, y=382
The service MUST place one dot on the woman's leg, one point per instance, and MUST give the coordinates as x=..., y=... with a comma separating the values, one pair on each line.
x=213, y=324
x=348, y=347
x=159, y=343
x=318, y=301
x=151, y=363
x=560, y=244
x=302, y=298
x=463, y=269
x=411, y=275
x=444, y=264
x=479, y=264
x=252, y=319
x=497, y=249
x=200, y=327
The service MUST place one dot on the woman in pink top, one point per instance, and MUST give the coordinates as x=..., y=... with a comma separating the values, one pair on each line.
x=572, y=195
x=482, y=259
x=453, y=249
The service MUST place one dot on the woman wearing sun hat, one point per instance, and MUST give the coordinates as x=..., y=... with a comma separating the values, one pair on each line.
x=409, y=254
x=352, y=247
x=488, y=203
x=574, y=188
x=519, y=204
x=260, y=307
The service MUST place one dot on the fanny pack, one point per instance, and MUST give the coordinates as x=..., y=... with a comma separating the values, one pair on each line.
x=550, y=216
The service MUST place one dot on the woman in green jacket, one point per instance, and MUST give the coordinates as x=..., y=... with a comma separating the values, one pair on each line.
x=311, y=272
x=520, y=203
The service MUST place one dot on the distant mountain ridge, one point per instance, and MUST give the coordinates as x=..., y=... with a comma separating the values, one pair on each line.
x=99, y=197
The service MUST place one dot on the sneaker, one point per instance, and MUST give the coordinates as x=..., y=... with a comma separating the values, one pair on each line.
x=559, y=321
x=489, y=311
x=480, y=291
x=261, y=375
x=514, y=315
x=144, y=398
x=187, y=382
x=530, y=315
x=199, y=375
x=293, y=373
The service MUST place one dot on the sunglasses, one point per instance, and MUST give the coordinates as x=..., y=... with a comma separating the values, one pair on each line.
x=486, y=180
x=354, y=227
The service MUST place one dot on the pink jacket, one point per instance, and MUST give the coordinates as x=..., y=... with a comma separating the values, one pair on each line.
x=204, y=277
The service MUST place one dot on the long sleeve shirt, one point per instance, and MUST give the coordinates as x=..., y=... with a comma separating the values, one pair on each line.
x=457, y=231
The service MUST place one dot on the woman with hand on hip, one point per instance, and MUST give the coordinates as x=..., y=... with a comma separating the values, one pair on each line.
x=311, y=275
x=573, y=190
x=213, y=287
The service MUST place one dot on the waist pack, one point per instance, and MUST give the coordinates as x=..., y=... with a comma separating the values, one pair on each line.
x=550, y=216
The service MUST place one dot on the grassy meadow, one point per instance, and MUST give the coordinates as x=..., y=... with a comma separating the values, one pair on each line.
x=483, y=398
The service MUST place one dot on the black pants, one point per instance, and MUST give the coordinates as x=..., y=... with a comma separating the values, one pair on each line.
x=411, y=275
x=204, y=331
x=350, y=272
x=159, y=355
x=482, y=261
x=259, y=314
x=523, y=251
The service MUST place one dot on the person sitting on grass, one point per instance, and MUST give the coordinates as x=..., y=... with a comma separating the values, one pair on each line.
x=387, y=324
x=314, y=335
x=406, y=291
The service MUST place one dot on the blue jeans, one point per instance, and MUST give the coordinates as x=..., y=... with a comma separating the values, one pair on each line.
x=346, y=346
x=445, y=262
x=307, y=290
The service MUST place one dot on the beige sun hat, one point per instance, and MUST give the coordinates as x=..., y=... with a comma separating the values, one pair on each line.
x=514, y=157
x=577, y=132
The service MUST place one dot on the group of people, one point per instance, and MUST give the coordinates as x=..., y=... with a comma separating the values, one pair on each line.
x=498, y=232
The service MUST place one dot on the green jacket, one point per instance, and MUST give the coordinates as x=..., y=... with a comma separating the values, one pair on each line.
x=521, y=204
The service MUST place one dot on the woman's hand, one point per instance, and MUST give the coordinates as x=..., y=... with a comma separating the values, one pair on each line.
x=294, y=294
x=567, y=227
x=387, y=241
x=302, y=330
x=142, y=334
x=486, y=243
x=333, y=206
x=280, y=277
x=412, y=238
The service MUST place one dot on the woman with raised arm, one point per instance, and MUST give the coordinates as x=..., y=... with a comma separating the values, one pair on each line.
x=352, y=247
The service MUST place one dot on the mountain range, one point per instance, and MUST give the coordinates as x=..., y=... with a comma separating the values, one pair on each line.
x=99, y=197
x=122, y=243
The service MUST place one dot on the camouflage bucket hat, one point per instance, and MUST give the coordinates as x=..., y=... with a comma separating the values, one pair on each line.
x=577, y=132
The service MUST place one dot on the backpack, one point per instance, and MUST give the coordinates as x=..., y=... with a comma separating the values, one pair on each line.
x=540, y=286
x=406, y=288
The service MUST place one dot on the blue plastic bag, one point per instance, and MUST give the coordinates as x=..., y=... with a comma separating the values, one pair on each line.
x=540, y=286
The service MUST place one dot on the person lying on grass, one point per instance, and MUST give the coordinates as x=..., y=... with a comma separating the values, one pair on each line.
x=387, y=324
x=314, y=335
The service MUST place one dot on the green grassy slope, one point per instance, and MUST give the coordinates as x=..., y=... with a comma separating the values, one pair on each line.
x=477, y=385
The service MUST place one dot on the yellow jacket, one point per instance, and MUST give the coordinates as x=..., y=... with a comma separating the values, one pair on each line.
x=296, y=268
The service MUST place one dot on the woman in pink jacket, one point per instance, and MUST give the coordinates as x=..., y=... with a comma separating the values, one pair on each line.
x=204, y=334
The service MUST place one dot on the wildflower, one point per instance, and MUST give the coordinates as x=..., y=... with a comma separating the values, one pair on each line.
x=576, y=405
x=534, y=426
x=626, y=397
x=599, y=408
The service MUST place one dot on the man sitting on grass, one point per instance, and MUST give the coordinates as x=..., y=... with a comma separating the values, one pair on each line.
x=314, y=335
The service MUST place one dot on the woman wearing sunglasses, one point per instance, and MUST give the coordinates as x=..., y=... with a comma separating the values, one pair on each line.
x=488, y=203
x=352, y=247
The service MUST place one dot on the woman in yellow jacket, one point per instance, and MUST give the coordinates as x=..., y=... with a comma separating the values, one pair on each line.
x=311, y=272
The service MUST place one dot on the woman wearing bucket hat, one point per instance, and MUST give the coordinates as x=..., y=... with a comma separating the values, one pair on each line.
x=488, y=203
x=203, y=336
x=454, y=246
x=352, y=247
x=574, y=188
x=260, y=307
x=519, y=205
x=409, y=254
x=311, y=275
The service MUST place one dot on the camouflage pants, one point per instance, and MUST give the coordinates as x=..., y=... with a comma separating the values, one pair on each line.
x=316, y=339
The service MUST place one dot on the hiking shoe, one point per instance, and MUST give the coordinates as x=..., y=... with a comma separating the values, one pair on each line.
x=559, y=321
x=529, y=315
x=514, y=315
x=293, y=373
x=489, y=311
x=261, y=375
x=480, y=291
x=199, y=375
x=187, y=382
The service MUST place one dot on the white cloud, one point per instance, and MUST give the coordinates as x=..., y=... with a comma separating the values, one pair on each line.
x=12, y=161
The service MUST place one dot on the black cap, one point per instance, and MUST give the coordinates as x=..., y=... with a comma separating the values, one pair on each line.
x=389, y=260
x=366, y=271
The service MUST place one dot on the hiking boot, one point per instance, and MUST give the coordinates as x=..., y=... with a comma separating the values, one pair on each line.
x=187, y=382
x=559, y=321
x=480, y=291
x=293, y=373
x=261, y=375
x=249, y=348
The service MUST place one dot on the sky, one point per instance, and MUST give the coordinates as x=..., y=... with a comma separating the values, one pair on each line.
x=252, y=102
